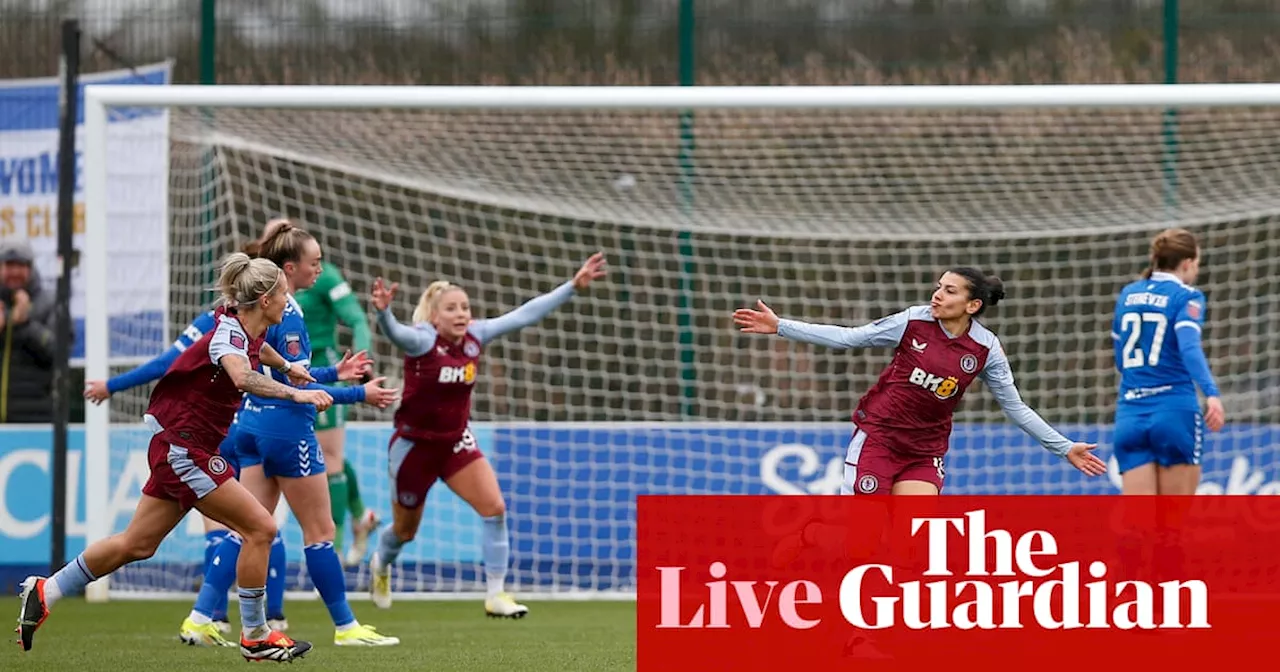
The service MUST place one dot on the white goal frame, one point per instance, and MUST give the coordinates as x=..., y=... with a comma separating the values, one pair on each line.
x=98, y=98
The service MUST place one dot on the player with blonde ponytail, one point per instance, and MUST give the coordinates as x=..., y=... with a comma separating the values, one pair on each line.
x=432, y=438
x=190, y=410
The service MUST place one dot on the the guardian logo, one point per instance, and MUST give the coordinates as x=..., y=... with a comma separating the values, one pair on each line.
x=965, y=600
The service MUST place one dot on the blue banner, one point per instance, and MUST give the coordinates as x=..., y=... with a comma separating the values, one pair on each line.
x=137, y=207
x=571, y=489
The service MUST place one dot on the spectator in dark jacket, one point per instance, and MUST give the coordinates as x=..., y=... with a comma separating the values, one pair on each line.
x=26, y=338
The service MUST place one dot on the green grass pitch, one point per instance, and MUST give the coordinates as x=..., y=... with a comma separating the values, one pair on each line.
x=126, y=636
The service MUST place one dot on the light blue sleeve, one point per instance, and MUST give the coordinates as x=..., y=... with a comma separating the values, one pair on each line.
x=999, y=377
x=414, y=341
x=524, y=316
x=884, y=332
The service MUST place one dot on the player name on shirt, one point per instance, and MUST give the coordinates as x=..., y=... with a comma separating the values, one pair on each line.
x=1146, y=299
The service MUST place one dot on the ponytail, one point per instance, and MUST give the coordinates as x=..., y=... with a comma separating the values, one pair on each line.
x=988, y=289
x=244, y=281
x=1170, y=248
x=282, y=241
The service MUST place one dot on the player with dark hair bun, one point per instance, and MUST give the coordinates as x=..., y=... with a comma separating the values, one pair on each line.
x=902, y=425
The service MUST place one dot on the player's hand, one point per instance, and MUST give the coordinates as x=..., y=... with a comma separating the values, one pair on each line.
x=382, y=295
x=299, y=376
x=763, y=321
x=1081, y=457
x=593, y=269
x=318, y=398
x=376, y=395
x=96, y=391
x=1215, y=416
x=354, y=367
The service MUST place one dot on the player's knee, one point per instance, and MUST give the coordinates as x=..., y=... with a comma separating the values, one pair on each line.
x=260, y=531
x=492, y=509
x=139, y=548
x=405, y=530
x=319, y=531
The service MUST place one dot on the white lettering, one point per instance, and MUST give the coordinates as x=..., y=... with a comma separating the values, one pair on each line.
x=1147, y=299
x=10, y=525
x=968, y=604
x=828, y=483
x=851, y=598
x=937, y=542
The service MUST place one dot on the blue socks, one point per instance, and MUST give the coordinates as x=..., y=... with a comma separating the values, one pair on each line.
x=220, y=575
x=326, y=573
x=218, y=579
x=211, y=541
x=276, y=571
x=496, y=552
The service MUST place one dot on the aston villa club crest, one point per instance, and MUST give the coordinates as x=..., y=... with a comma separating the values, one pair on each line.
x=471, y=349
x=237, y=340
x=968, y=363
x=217, y=465
x=293, y=344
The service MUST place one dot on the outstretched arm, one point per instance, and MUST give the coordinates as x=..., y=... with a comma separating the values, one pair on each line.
x=999, y=377
x=145, y=373
x=341, y=395
x=524, y=316
x=884, y=332
x=536, y=309
x=153, y=369
x=414, y=341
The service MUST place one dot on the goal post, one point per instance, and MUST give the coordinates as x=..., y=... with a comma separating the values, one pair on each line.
x=834, y=204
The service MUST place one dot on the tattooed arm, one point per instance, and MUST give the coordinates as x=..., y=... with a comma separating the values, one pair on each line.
x=249, y=381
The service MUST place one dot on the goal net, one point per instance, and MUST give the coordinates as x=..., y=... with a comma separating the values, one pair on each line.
x=838, y=213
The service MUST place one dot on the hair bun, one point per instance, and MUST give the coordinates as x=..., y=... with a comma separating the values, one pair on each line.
x=996, y=290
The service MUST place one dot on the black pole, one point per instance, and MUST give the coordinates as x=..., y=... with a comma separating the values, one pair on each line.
x=69, y=111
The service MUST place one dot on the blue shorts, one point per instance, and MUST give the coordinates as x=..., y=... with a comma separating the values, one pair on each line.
x=227, y=449
x=286, y=458
x=1166, y=438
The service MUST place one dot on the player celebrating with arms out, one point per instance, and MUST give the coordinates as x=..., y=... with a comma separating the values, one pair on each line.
x=432, y=438
x=1158, y=427
x=190, y=410
x=902, y=425
x=278, y=453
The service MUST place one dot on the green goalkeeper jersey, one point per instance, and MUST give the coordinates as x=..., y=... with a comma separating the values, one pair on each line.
x=329, y=301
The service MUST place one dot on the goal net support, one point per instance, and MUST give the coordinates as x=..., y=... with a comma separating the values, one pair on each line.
x=836, y=205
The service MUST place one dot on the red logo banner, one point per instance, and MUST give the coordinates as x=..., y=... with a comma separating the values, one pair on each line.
x=909, y=583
